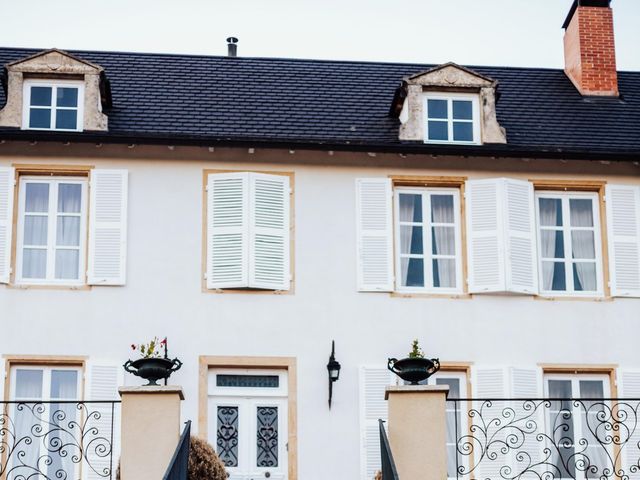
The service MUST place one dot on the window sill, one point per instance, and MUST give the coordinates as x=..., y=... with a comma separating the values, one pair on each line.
x=450, y=296
x=250, y=291
x=33, y=286
x=569, y=297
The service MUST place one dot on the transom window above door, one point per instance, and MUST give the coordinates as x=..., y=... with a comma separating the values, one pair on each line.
x=569, y=244
x=428, y=244
x=52, y=227
x=53, y=105
x=451, y=118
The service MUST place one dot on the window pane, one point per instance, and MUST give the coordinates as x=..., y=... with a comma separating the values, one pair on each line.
x=581, y=212
x=410, y=207
x=583, y=244
x=550, y=212
x=37, y=197
x=64, y=384
x=454, y=386
x=552, y=243
x=40, y=118
x=559, y=388
x=267, y=437
x=463, y=131
x=553, y=276
x=67, y=97
x=438, y=130
x=442, y=209
x=411, y=239
x=34, y=263
x=444, y=272
x=66, y=119
x=69, y=197
x=35, y=230
x=68, y=232
x=443, y=240
x=28, y=384
x=462, y=110
x=227, y=435
x=584, y=276
x=41, y=96
x=67, y=264
x=248, y=381
x=591, y=389
x=412, y=271
x=437, y=108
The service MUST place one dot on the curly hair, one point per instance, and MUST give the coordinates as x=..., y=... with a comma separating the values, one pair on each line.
x=204, y=463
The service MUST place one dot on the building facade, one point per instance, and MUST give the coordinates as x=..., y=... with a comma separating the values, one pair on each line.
x=254, y=210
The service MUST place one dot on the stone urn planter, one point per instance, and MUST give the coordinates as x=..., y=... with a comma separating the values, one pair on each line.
x=414, y=370
x=152, y=369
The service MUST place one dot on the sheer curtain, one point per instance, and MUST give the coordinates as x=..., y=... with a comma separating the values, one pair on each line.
x=28, y=388
x=407, y=208
x=444, y=239
x=548, y=217
x=582, y=243
x=68, y=230
x=64, y=386
x=34, y=261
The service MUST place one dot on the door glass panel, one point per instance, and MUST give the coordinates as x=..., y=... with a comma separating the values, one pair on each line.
x=35, y=230
x=581, y=212
x=227, y=435
x=412, y=270
x=411, y=240
x=62, y=418
x=28, y=384
x=69, y=198
x=561, y=424
x=410, y=208
x=444, y=273
x=37, y=197
x=267, y=437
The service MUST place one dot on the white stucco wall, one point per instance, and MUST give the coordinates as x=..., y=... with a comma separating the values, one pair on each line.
x=163, y=294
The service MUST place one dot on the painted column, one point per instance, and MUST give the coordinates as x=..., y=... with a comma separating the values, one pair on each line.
x=150, y=430
x=417, y=431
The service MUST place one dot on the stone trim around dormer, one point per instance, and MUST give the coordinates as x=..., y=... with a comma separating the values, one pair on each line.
x=54, y=65
x=449, y=77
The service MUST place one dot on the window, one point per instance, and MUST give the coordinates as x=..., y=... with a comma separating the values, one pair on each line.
x=51, y=230
x=53, y=106
x=248, y=232
x=428, y=241
x=31, y=419
x=578, y=422
x=569, y=247
x=452, y=118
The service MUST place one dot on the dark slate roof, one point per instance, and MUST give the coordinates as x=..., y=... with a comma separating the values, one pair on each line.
x=207, y=100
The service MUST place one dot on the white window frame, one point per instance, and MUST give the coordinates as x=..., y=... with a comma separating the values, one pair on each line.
x=450, y=97
x=215, y=390
x=54, y=85
x=52, y=216
x=46, y=380
x=566, y=229
x=427, y=224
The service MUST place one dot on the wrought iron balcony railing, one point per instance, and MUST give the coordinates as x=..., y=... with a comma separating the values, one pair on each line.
x=544, y=439
x=61, y=440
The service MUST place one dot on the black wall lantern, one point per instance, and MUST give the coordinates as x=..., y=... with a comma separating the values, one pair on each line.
x=333, y=367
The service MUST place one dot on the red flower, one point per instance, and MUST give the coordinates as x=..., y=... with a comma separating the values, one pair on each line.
x=164, y=342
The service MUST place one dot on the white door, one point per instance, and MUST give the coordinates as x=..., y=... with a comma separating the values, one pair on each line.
x=248, y=423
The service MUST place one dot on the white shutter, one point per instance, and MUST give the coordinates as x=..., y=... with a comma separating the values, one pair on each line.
x=375, y=234
x=485, y=248
x=629, y=387
x=102, y=382
x=489, y=383
x=373, y=406
x=623, y=229
x=526, y=384
x=269, y=231
x=521, y=258
x=108, y=227
x=7, y=182
x=227, y=230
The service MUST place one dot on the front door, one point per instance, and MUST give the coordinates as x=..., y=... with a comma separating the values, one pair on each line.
x=248, y=423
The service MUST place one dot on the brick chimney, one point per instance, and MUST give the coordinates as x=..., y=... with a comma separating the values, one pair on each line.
x=589, y=49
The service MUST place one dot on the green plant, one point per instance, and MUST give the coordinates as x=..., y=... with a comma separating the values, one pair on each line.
x=416, y=351
x=151, y=349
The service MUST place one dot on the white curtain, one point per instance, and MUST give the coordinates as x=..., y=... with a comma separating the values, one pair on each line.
x=64, y=386
x=548, y=217
x=583, y=244
x=407, y=208
x=28, y=388
x=444, y=239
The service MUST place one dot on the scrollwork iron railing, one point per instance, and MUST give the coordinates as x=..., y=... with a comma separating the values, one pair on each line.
x=544, y=439
x=57, y=440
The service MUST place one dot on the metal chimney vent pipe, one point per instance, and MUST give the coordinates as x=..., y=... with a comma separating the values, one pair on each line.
x=232, y=46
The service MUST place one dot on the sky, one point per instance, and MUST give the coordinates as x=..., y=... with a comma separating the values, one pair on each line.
x=468, y=32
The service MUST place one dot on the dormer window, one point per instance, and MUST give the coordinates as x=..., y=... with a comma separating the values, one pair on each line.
x=53, y=105
x=451, y=118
